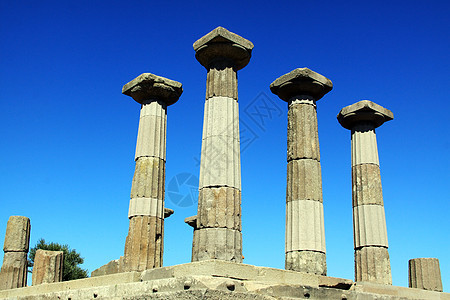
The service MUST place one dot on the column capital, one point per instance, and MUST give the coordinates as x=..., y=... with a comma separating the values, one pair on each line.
x=364, y=111
x=221, y=44
x=301, y=81
x=148, y=86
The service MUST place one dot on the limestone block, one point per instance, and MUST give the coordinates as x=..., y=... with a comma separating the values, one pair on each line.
x=369, y=226
x=306, y=261
x=112, y=267
x=304, y=180
x=148, y=179
x=48, y=267
x=220, y=162
x=364, y=145
x=364, y=111
x=217, y=243
x=425, y=273
x=221, y=81
x=372, y=264
x=13, y=273
x=302, y=136
x=148, y=86
x=305, y=226
x=219, y=208
x=223, y=44
x=221, y=118
x=301, y=81
x=17, y=237
x=146, y=207
x=144, y=243
x=366, y=184
x=151, y=139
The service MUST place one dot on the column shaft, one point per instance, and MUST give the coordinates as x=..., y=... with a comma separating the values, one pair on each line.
x=305, y=233
x=218, y=231
x=425, y=273
x=369, y=222
x=144, y=243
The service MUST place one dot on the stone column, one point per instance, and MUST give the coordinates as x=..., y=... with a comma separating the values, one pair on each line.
x=369, y=224
x=217, y=226
x=305, y=234
x=13, y=273
x=144, y=243
x=48, y=267
x=424, y=273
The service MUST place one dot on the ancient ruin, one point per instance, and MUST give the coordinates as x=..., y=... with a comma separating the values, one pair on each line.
x=305, y=233
x=144, y=243
x=369, y=223
x=216, y=270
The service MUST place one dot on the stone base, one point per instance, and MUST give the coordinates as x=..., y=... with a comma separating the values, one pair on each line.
x=216, y=280
x=307, y=261
x=372, y=264
x=13, y=273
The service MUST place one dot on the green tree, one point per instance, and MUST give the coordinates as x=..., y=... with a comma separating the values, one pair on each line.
x=72, y=259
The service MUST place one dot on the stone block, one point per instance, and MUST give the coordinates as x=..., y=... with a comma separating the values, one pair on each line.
x=364, y=111
x=369, y=226
x=425, y=273
x=364, y=145
x=372, y=264
x=223, y=44
x=219, y=208
x=13, y=273
x=48, y=267
x=217, y=243
x=113, y=267
x=305, y=226
x=148, y=86
x=302, y=134
x=301, y=81
x=17, y=237
x=221, y=118
x=366, y=184
x=306, y=261
x=144, y=243
x=220, y=162
x=151, y=139
x=304, y=180
x=149, y=178
x=221, y=81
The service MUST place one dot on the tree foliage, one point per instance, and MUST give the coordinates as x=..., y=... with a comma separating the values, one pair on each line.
x=72, y=259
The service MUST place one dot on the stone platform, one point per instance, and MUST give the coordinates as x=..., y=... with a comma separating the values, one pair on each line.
x=216, y=280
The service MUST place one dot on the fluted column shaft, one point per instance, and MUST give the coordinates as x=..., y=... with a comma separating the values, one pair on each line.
x=425, y=273
x=218, y=231
x=144, y=243
x=48, y=267
x=13, y=273
x=369, y=223
x=305, y=234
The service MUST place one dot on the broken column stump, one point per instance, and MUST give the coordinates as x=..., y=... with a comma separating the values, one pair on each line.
x=48, y=267
x=13, y=273
x=425, y=273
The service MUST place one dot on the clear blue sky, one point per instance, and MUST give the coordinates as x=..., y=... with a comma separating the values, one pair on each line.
x=68, y=134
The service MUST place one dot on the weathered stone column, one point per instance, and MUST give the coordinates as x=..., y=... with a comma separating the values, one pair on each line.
x=144, y=243
x=369, y=223
x=217, y=226
x=305, y=233
x=13, y=273
x=48, y=267
x=425, y=273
